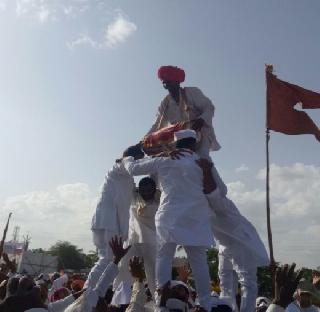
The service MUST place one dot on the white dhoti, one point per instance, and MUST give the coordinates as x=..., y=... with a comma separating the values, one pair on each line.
x=101, y=240
x=240, y=250
x=230, y=273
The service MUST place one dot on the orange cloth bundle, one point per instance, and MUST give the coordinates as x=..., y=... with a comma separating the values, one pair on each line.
x=163, y=136
x=160, y=140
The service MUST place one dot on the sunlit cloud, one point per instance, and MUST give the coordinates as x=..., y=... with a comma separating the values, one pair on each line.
x=65, y=213
x=45, y=10
x=83, y=40
x=242, y=168
x=115, y=33
x=119, y=31
x=49, y=216
x=295, y=197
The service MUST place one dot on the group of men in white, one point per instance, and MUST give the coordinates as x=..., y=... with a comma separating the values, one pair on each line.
x=180, y=201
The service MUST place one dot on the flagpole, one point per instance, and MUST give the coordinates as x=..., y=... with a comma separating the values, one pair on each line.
x=269, y=68
x=268, y=197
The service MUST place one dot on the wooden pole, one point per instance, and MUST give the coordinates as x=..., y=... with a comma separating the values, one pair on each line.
x=268, y=197
x=4, y=235
x=269, y=68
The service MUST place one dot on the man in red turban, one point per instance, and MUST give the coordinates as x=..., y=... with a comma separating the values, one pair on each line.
x=186, y=104
x=171, y=73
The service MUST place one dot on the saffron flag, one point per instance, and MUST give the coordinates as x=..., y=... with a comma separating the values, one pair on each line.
x=281, y=114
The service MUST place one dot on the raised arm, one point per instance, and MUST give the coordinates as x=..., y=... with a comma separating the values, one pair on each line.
x=143, y=166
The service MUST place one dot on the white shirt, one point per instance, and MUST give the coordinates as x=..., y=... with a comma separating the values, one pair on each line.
x=142, y=228
x=182, y=217
x=112, y=211
x=195, y=105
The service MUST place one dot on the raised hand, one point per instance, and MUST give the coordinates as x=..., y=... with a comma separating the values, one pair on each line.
x=316, y=278
x=136, y=268
x=204, y=164
x=286, y=283
x=116, y=244
x=209, y=184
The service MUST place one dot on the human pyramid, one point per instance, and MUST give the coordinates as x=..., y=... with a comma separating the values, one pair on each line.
x=182, y=202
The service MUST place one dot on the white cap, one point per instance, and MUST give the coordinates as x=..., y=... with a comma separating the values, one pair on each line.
x=184, y=134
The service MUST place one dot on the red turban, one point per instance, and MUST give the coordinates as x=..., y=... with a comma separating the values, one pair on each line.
x=171, y=73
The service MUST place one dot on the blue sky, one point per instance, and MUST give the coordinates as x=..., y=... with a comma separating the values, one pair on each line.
x=78, y=85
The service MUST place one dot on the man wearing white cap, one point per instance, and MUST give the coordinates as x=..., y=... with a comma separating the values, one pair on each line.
x=182, y=217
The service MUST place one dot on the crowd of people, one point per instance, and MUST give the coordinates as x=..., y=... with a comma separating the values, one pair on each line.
x=180, y=201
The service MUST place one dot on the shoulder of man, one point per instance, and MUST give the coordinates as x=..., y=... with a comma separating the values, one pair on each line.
x=164, y=103
x=193, y=90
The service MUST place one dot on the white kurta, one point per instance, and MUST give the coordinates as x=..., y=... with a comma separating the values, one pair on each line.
x=111, y=216
x=142, y=238
x=142, y=228
x=112, y=211
x=182, y=217
x=236, y=234
x=196, y=105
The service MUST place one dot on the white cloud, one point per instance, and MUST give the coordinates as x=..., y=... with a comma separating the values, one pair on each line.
x=242, y=168
x=119, y=31
x=40, y=10
x=115, y=33
x=83, y=40
x=3, y=5
x=64, y=214
x=43, y=14
x=295, y=210
x=45, y=10
x=75, y=8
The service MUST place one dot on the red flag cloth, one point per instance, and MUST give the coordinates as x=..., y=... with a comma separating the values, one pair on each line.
x=281, y=114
